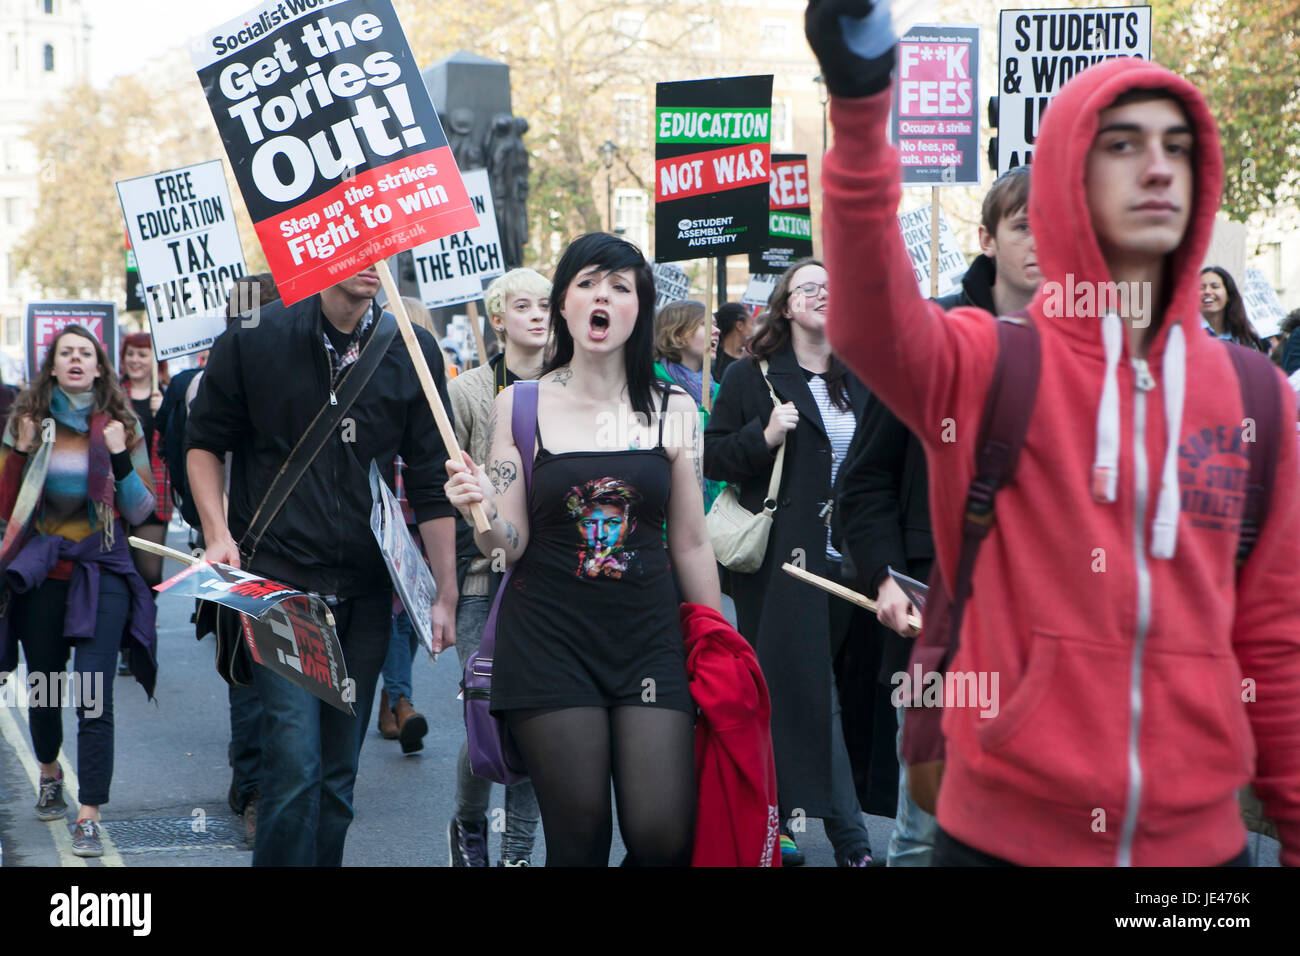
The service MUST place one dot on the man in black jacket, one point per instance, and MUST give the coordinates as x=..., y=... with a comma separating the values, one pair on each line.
x=883, y=516
x=265, y=382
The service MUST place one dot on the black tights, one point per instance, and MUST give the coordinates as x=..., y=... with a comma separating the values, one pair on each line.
x=571, y=752
x=148, y=564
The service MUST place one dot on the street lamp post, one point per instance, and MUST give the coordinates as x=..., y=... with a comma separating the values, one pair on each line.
x=608, y=153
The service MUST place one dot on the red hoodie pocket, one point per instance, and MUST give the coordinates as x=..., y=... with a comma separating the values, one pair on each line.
x=995, y=730
x=1197, y=746
x=1061, y=728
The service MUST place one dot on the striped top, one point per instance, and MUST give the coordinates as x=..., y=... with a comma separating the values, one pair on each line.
x=840, y=426
x=65, y=509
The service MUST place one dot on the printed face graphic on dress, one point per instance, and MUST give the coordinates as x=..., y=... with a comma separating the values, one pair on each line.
x=603, y=510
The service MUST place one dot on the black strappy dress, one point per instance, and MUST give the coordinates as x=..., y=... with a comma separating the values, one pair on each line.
x=589, y=617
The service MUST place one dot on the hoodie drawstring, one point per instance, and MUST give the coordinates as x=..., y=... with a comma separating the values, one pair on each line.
x=1164, y=530
x=1105, y=466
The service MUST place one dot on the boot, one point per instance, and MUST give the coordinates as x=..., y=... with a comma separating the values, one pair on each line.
x=411, y=726
x=387, y=719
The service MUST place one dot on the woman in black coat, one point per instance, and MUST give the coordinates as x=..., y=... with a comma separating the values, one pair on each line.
x=788, y=622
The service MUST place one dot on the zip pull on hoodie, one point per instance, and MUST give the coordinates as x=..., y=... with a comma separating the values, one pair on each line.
x=1072, y=262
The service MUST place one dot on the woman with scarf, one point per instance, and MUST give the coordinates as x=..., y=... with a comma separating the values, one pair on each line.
x=681, y=339
x=74, y=473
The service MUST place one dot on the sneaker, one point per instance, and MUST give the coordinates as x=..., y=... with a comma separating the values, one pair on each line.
x=51, y=805
x=87, y=838
x=523, y=861
x=791, y=855
x=861, y=858
x=468, y=843
x=250, y=820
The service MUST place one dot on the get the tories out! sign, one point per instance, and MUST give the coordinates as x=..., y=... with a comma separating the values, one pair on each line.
x=332, y=137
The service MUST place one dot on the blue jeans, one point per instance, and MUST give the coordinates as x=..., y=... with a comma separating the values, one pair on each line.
x=245, y=750
x=473, y=793
x=912, y=843
x=310, y=750
x=38, y=622
x=401, y=654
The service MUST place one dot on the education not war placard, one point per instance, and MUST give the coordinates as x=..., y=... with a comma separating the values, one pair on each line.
x=1040, y=50
x=332, y=137
x=712, y=147
x=181, y=227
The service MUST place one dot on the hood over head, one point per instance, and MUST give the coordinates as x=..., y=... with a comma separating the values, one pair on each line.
x=1058, y=204
x=1070, y=258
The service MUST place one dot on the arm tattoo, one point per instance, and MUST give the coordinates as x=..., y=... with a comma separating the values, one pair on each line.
x=512, y=534
x=502, y=474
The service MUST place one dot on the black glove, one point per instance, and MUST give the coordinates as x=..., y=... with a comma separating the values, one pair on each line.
x=854, y=41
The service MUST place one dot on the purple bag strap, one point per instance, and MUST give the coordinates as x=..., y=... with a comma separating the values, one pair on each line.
x=523, y=427
x=1259, y=399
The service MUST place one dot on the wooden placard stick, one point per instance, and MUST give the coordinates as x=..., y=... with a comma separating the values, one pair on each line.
x=830, y=587
x=161, y=549
x=934, y=242
x=396, y=306
x=476, y=324
x=706, y=391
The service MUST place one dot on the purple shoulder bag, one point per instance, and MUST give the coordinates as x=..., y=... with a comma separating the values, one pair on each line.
x=492, y=752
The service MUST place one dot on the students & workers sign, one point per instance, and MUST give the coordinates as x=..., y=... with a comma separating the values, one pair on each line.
x=332, y=137
x=712, y=147
x=1040, y=50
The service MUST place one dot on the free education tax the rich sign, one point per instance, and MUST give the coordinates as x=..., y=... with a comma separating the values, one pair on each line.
x=332, y=137
x=712, y=149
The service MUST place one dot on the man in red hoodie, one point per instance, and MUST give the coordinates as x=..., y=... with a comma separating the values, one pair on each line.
x=1139, y=673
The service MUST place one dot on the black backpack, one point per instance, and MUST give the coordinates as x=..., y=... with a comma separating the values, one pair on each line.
x=170, y=421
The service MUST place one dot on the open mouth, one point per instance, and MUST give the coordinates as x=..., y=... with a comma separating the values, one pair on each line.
x=599, y=324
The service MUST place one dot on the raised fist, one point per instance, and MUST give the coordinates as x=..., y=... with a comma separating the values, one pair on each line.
x=854, y=41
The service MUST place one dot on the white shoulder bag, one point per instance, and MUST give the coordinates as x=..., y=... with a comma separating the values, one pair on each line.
x=739, y=536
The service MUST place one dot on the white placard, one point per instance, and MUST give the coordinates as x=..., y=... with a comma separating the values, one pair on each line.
x=1263, y=307
x=759, y=290
x=414, y=584
x=915, y=227
x=452, y=270
x=1040, y=50
x=671, y=284
x=186, y=245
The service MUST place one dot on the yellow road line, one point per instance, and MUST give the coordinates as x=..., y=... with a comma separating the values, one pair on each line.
x=58, y=828
x=111, y=857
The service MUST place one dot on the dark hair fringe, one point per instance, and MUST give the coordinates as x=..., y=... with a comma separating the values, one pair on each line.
x=610, y=253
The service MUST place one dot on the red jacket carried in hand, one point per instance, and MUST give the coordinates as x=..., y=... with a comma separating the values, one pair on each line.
x=737, y=822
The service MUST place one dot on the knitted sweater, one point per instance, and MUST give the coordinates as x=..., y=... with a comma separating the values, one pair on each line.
x=65, y=509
